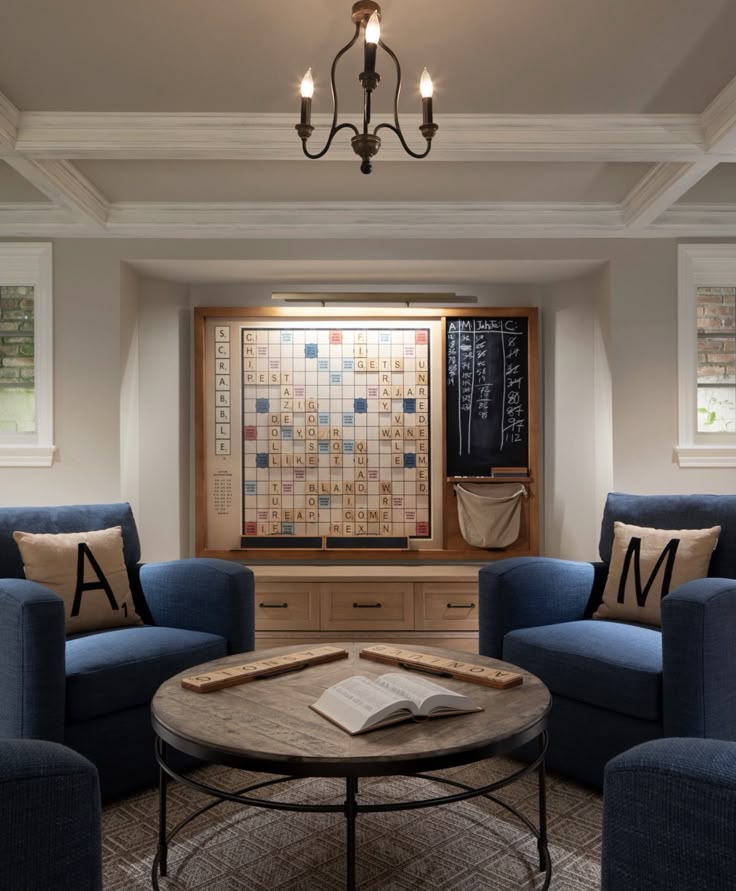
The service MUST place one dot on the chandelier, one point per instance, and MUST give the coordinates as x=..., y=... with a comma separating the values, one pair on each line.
x=367, y=16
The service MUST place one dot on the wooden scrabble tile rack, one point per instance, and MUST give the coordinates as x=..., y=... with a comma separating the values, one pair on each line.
x=261, y=668
x=442, y=666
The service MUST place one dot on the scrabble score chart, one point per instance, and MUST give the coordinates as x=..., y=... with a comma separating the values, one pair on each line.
x=323, y=435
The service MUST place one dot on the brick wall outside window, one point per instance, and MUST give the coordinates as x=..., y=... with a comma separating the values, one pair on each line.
x=17, y=370
x=716, y=359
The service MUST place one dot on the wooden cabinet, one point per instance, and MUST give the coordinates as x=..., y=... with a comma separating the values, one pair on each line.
x=443, y=606
x=431, y=605
x=287, y=605
x=367, y=606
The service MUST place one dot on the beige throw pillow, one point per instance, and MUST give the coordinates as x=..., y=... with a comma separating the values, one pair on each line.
x=87, y=570
x=646, y=564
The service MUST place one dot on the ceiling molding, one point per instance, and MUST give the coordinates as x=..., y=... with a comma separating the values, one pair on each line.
x=357, y=220
x=272, y=137
x=698, y=220
x=37, y=220
x=9, y=120
x=64, y=184
x=660, y=188
x=353, y=220
x=719, y=120
x=41, y=147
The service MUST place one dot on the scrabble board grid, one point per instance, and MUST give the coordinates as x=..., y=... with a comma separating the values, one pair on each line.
x=336, y=431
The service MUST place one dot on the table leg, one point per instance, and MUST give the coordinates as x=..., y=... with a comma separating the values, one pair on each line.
x=351, y=791
x=542, y=779
x=163, y=778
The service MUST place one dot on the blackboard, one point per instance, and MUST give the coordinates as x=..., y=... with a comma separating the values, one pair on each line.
x=486, y=394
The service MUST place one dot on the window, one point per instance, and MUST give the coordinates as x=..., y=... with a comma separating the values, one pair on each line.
x=716, y=309
x=707, y=356
x=26, y=399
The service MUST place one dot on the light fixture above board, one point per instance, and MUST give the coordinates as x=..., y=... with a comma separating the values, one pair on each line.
x=378, y=297
x=367, y=17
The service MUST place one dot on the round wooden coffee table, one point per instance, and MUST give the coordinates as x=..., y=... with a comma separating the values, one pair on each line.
x=267, y=726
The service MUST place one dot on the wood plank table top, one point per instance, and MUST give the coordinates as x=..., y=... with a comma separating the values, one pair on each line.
x=267, y=725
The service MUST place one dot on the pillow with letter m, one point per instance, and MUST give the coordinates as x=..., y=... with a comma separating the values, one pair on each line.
x=646, y=564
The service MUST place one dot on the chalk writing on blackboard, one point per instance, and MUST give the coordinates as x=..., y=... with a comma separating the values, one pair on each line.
x=486, y=394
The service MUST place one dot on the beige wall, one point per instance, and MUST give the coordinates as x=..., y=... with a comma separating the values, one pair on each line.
x=123, y=374
x=578, y=464
x=164, y=400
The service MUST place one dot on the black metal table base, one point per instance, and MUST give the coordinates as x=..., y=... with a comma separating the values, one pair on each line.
x=350, y=808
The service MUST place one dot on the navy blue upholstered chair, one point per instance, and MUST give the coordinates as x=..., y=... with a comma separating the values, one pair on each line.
x=49, y=818
x=92, y=691
x=615, y=685
x=669, y=817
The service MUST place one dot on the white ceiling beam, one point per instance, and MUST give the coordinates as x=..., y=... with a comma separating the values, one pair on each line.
x=9, y=121
x=660, y=188
x=64, y=184
x=36, y=220
x=58, y=180
x=669, y=181
x=698, y=220
x=634, y=137
x=718, y=121
x=364, y=220
x=358, y=220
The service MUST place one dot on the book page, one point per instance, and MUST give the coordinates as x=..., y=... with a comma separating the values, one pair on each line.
x=364, y=695
x=357, y=703
x=426, y=695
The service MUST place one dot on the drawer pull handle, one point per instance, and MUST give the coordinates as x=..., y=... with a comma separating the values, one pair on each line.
x=461, y=606
x=367, y=605
x=273, y=605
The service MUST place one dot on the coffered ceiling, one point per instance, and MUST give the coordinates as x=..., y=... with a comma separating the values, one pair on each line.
x=175, y=118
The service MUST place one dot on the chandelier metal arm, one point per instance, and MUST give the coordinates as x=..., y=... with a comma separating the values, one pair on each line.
x=391, y=53
x=333, y=132
x=334, y=129
x=396, y=127
x=401, y=139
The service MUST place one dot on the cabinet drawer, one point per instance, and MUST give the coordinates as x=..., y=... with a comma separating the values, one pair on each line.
x=367, y=606
x=287, y=606
x=446, y=606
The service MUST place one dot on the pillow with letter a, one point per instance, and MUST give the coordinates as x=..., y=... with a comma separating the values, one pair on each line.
x=87, y=570
x=646, y=564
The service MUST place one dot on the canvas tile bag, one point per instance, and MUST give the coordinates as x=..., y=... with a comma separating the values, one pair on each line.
x=489, y=513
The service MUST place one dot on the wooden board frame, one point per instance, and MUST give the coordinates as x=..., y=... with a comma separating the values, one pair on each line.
x=452, y=546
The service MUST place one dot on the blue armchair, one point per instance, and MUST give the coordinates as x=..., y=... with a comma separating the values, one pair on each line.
x=49, y=818
x=615, y=685
x=669, y=817
x=92, y=691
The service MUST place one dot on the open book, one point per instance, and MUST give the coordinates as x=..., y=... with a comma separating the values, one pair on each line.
x=358, y=704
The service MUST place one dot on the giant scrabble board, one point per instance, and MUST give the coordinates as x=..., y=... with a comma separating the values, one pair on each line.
x=323, y=434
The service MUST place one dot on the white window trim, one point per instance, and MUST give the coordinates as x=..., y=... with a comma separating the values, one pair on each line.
x=30, y=263
x=699, y=265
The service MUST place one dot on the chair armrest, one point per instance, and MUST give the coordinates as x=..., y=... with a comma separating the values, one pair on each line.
x=524, y=592
x=202, y=594
x=699, y=659
x=32, y=661
x=50, y=823
x=669, y=816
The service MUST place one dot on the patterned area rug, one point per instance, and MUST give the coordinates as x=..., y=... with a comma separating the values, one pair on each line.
x=465, y=846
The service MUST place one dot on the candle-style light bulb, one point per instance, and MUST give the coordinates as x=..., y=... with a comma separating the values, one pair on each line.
x=308, y=84
x=307, y=93
x=373, y=29
x=425, y=85
x=425, y=89
x=372, y=36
